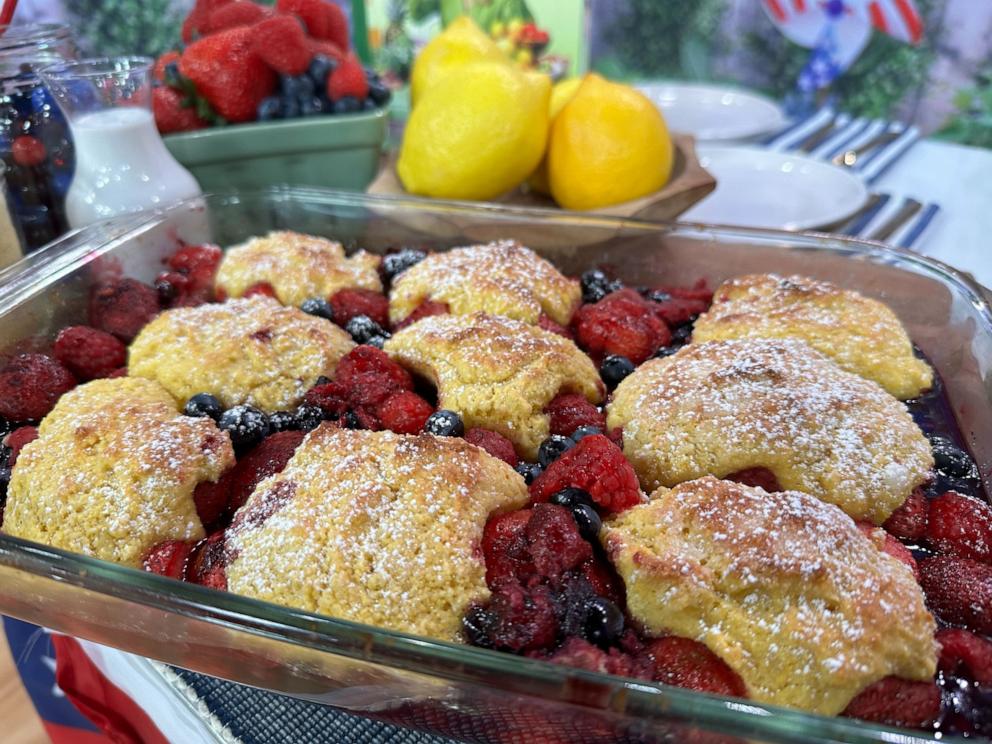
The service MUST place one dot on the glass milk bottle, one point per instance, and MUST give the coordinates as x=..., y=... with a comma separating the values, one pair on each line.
x=122, y=165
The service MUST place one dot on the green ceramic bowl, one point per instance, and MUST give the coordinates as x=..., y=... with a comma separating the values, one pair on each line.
x=340, y=152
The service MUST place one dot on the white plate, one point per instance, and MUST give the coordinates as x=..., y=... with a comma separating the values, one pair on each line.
x=712, y=113
x=760, y=188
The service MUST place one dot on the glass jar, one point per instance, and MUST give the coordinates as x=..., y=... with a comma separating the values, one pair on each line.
x=35, y=142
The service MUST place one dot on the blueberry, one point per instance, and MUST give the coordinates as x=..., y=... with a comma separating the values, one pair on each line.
x=166, y=291
x=614, y=369
x=319, y=307
x=204, y=404
x=403, y=259
x=5, y=427
x=362, y=328
x=4, y=455
x=552, y=448
x=656, y=295
x=666, y=351
x=571, y=496
x=377, y=341
x=311, y=105
x=294, y=86
x=4, y=482
x=282, y=421
x=951, y=460
x=289, y=107
x=444, y=423
x=379, y=93
x=270, y=108
x=350, y=420
x=528, y=471
x=682, y=334
x=347, y=105
x=594, y=285
x=588, y=521
x=308, y=417
x=478, y=624
x=604, y=622
x=320, y=67
x=246, y=425
x=585, y=431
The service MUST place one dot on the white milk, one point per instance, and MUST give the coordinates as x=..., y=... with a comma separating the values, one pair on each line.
x=122, y=166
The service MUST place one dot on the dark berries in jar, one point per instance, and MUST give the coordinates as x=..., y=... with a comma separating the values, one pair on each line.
x=614, y=369
x=396, y=263
x=204, y=404
x=282, y=421
x=552, y=448
x=445, y=423
x=319, y=307
x=529, y=471
x=246, y=425
x=363, y=329
x=604, y=622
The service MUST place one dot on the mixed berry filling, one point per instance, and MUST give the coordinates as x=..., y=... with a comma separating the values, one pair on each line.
x=554, y=595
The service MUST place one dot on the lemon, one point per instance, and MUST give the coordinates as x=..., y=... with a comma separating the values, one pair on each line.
x=608, y=144
x=477, y=133
x=460, y=43
x=561, y=94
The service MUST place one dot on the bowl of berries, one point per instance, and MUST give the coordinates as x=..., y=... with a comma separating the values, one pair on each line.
x=263, y=95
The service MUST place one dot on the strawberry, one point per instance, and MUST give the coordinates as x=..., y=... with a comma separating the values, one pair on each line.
x=347, y=79
x=331, y=398
x=170, y=113
x=207, y=563
x=891, y=546
x=282, y=44
x=494, y=443
x=684, y=662
x=30, y=385
x=909, y=521
x=268, y=458
x=549, y=325
x=89, y=353
x=337, y=25
x=960, y=525
x=163, y=61
x=228, y=73
x=122, y=307
x=323, y=19
x=197, y=22
x=365, y=363
x=554, y=542
x=965, y=654
x=425, y=309
x=347, y=303
x=16, y=440
x=597, y=466
x=568, y=411
x=678, y=305
x=235, y=13
x=896, y=702
x=193, y=268
x=959, y=591
x=28, y=151
x=168, y=558
x=211, y=499
x=327, y=49
x=622, y=323
x=404, y=412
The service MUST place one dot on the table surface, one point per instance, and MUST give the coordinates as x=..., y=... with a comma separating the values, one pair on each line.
x=959, y=179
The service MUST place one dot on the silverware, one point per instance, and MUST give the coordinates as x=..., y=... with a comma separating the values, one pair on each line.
x=849, y=157
x=903, y=215
x=818, y=135
x=849, y=225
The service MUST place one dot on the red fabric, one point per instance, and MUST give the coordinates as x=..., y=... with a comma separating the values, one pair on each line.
x=776, y=9
x=71, y=735
x=98, y=699
x=878, y=17
x=912, y=20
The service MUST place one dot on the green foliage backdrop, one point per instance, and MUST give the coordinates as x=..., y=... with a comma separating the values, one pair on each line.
x=112, y=27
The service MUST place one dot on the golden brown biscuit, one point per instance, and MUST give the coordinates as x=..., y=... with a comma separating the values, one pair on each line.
x=497, y=373
x=374, y=527
x=250, y=350
x=862, y=335
x=297, y=266
x=501, y=278
x=724, y=406
x=113, y=470
x=782, y=587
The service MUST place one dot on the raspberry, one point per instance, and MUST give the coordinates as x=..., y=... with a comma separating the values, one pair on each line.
x=579, y=653
x=313, y=13
x=30, y=385
x=549, y=325
x=909, y=521
x=168, y=558
x=198, y=263
x=348, y=303
x=262, y=289
x=236, y=13
x=122, y=307
x=281, y=43
x=347, y=79
x=554, y=542
x=959, y=591
x=268, y=458
x=896, y=702
x=425, y=309
x=960, y=525
x=757, y=477
x=89, y=353
x=504, y=548
x=211, y=499
x=366, y=365
x=525, y=619
x=684, y=662
x=494, y=443
x=16, y=440
x=965, y=654
x=569, y=411
x=331, y=398
x=891, y=546
x=404, y=412
x=28, y=151
x=597, y=466
x=207, y=563
x=622, y=323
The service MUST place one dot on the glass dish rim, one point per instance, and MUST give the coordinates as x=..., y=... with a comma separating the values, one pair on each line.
x=437, y=659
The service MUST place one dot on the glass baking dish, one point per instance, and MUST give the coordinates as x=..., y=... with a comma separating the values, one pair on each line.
x=465, y=693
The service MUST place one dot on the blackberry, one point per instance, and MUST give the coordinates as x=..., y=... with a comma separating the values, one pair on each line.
x=950, y=460
x=282, y=421
x=478, y=624
x=403, y=259
x=445, y=423
x=204, y=404
x=246, y=425
x=362, y=328
x=552, y=448
x=614, y=369
x=595, y=285
x=682, y=334
x=308, y=417
x=319, y=307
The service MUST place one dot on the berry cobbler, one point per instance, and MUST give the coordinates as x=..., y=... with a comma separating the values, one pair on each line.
x=758, y=492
